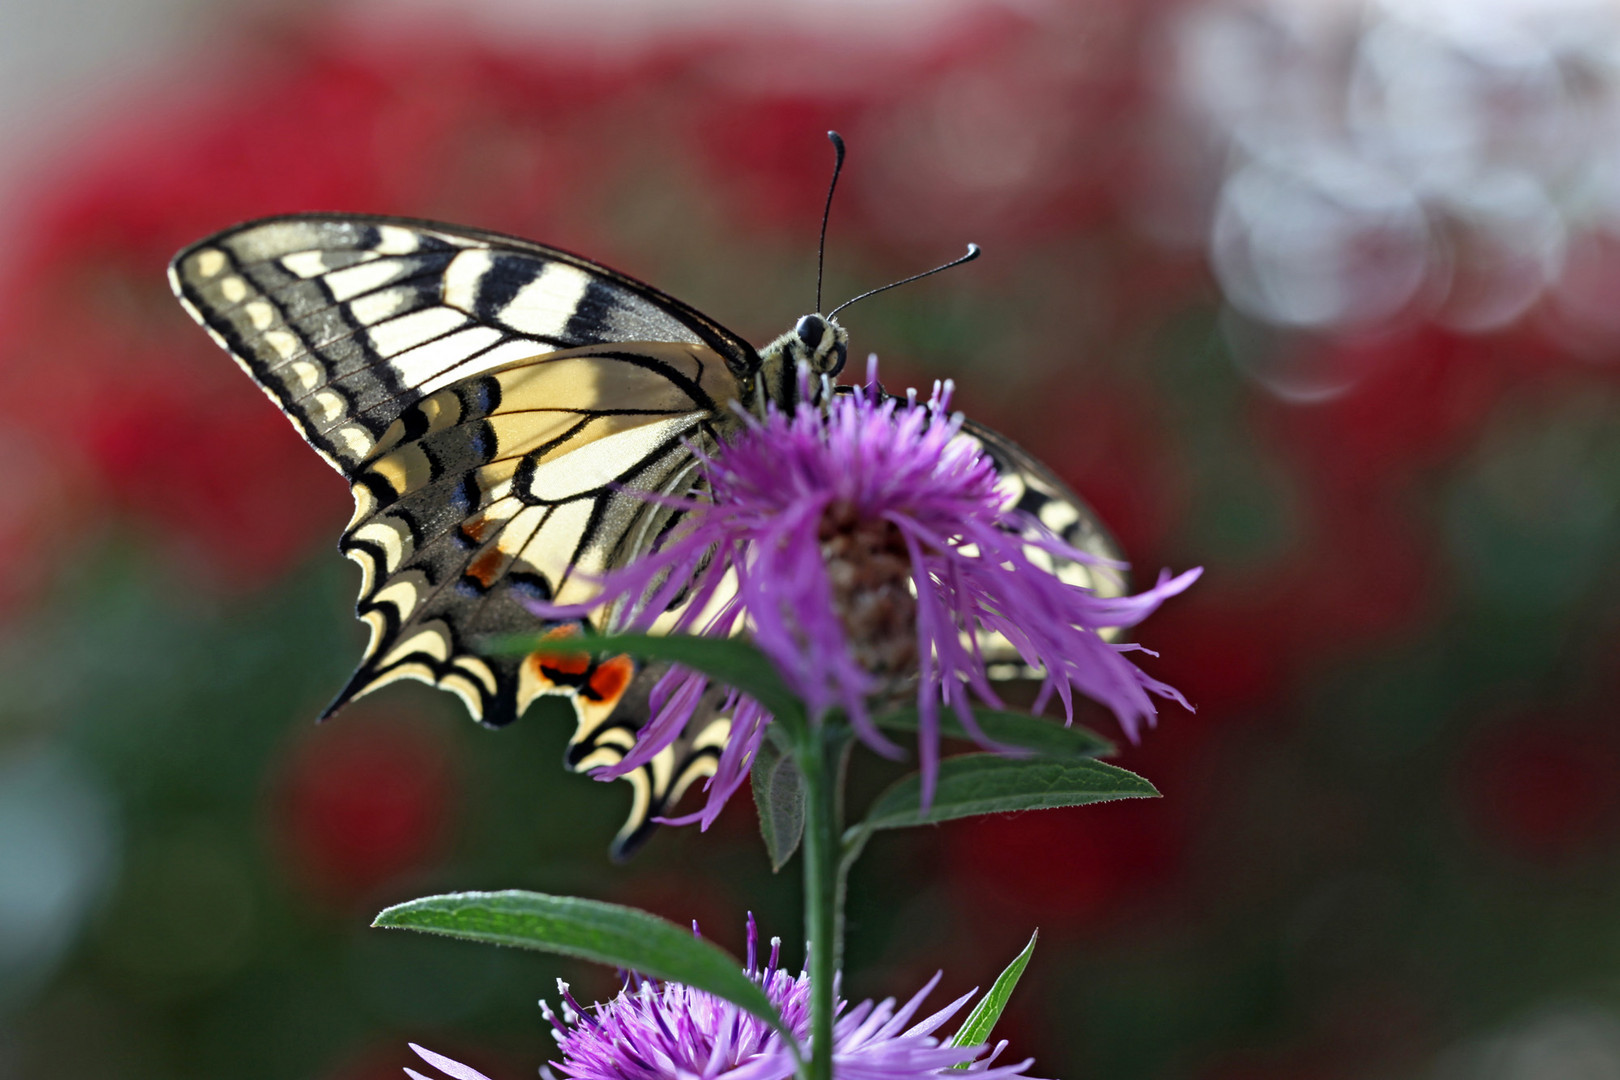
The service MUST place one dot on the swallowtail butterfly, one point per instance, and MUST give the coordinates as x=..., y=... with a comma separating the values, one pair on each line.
x=499, y=408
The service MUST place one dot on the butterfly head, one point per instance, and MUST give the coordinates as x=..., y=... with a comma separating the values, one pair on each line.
x=816, y=342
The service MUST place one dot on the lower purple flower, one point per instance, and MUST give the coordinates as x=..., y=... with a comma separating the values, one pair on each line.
x=669, y=1031
x=863, y=545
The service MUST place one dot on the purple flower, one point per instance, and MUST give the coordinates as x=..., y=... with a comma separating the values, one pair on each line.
x=669, y=1031
x=861, y=543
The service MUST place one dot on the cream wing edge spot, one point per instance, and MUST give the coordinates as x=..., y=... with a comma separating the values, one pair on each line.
x=219, y=339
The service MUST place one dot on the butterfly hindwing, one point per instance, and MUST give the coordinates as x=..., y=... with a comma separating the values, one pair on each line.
x=522, y=484
x=519, y=484
x=1032, y=488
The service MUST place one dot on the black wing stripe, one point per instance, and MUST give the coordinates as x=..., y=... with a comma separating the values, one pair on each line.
x=508, y=276
x=613, y=503
x=700, y=399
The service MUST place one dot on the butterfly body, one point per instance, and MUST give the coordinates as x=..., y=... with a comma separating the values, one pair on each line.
x=501, y=411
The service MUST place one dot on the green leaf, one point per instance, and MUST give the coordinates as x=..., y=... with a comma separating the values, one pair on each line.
x=975, y=1030
x=589, y=929
x=733, y=662
x=1039, y=734
x=989, y=784
x=779, y=796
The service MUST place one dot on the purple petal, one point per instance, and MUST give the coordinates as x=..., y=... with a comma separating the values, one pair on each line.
x=453, y=1069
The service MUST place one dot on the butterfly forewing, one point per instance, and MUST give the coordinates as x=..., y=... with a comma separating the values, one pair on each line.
x=498, y=407
x=347, y=321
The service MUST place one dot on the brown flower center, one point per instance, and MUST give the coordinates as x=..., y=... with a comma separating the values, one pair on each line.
x=870, y=572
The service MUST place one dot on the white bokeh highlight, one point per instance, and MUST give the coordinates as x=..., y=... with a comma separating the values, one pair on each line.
x=1389, y=162
x=57, y=853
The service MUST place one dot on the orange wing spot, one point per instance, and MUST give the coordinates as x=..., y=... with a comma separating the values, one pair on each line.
x=478, y=528
x=487, y=567
x=539, y=665
x=562, y=663
x=608, y=682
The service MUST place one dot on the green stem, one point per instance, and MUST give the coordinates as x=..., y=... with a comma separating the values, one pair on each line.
x=819, y=754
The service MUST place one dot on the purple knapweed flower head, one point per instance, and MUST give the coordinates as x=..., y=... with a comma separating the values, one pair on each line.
x=862, y=542
x=669, y=1031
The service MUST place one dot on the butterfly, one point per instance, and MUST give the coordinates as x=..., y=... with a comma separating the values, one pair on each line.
x=501, y=411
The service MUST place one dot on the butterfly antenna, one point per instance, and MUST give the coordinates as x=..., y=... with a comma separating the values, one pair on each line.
x=972, y=253
x=821, y=247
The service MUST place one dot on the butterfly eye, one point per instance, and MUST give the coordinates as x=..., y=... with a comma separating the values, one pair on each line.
x=840, y=354
x=811, y=329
